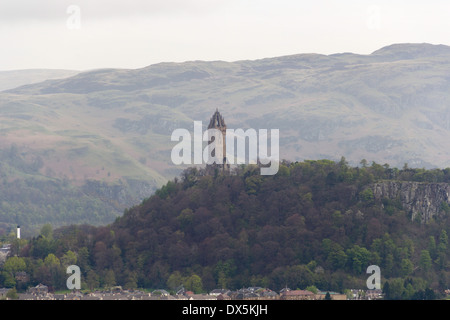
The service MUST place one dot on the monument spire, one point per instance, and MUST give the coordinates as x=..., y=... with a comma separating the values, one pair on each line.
x=217, y=122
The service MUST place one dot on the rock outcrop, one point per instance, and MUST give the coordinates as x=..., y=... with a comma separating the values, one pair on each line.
x=421, y=200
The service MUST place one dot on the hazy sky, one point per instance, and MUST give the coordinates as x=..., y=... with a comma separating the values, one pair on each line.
x=88, y=34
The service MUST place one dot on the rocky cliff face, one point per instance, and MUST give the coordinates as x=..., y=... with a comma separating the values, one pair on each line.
x=421, y=200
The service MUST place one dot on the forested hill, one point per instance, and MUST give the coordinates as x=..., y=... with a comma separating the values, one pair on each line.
x=70, y=147
x=313, y=223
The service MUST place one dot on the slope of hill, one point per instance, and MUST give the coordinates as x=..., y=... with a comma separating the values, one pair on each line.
x=389, y=106
x=314, y=223
x=16, y=78
x=114, y=125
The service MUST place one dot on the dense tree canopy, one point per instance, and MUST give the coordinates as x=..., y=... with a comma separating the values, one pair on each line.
x=315, y=223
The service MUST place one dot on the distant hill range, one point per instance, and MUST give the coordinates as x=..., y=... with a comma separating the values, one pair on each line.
x=16, y=78
x=111, y=125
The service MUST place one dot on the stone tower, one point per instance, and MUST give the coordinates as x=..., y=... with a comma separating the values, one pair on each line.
x=217, y=122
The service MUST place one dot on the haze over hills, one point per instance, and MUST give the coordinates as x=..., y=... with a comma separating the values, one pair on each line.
x=15, y=78
x=114, y=125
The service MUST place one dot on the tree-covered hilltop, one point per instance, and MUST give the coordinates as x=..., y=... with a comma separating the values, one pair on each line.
x=314, y=223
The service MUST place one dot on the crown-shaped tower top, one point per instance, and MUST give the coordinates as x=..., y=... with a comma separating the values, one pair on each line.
x=217, y=121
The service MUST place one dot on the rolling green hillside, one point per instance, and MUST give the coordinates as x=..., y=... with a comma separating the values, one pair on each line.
x=389, y=106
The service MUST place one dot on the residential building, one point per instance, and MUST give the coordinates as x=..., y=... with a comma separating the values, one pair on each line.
x=298, y=295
